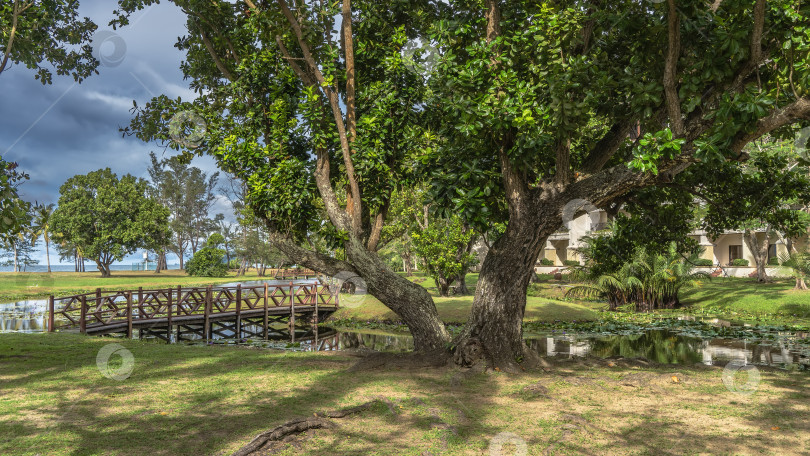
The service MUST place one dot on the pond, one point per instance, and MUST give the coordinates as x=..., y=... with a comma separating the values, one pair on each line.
x=672, y=341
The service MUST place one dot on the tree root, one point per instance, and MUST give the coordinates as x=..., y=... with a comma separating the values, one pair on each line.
x=298, y=425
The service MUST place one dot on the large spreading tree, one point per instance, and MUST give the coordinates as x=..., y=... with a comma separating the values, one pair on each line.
x=106, y=218
x=313, y=105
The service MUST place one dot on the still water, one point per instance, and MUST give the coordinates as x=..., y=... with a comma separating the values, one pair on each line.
x=671, y=345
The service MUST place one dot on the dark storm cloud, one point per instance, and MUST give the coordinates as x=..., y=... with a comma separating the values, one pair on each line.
x=60, y=130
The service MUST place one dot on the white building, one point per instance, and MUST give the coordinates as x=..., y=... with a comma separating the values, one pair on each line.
x=561, y=247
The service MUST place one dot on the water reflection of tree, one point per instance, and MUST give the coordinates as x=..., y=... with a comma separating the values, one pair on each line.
x=656, y=345
x=377, y=342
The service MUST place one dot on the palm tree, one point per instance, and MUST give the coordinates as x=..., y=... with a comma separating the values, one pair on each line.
x=799, y=263
x=42, y=227
x=648, y=280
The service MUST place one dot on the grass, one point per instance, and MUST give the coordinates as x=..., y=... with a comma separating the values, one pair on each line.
x=456, y=309
x=731, y=298
x=27, y=285
x=197, y=400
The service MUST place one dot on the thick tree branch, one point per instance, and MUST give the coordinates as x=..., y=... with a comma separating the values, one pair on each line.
x=671, y=69
x=377, y=228
x=563, y=163
x=334, y=102
x=798, y=110
x=324, y=184
x=607, y=146
x=756, y=34
x=217, y=61
x=313, y=260
x=348, y=40
x=14, y=17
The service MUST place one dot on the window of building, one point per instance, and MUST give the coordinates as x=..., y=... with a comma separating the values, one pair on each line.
x=772, y=251
x=734, y=252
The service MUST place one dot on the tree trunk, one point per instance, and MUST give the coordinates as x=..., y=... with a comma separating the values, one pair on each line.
x=442, y=286
x=409, y=300
x=494, y=332
x=407, y=261
x=16, y=265
x=760, y=252
x=462, y=284
x=800, y=285
x=48, y=254
x=103, y=268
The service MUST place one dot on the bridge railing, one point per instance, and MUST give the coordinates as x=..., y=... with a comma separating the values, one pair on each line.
x=105, y=308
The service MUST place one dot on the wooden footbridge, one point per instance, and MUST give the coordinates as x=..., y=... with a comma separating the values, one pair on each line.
x=295, y=274
x=196, y=313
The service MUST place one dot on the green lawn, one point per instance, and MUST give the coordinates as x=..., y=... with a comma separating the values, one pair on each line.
x=456, y=309
x=196, y=400
x=746, y=296
x=18, y=286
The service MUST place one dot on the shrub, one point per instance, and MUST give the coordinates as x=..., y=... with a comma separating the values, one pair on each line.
x=774, y=261
x=702, y=262
x=571, y=263
x=546, y=262
x=648, y=281
x=739, y=262
x=234, y=264
x=208, y=261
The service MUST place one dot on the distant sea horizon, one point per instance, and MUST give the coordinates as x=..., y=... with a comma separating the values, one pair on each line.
x=88, y=267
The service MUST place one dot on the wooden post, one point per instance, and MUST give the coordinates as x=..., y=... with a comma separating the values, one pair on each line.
x=129, y=315
x=51, y=311
x=169, y=318
x=292, y=312
x=83, y=315
x=179, y=299
x=140, y=299
x=239, y=311
x=207, y=312
x=265, y=311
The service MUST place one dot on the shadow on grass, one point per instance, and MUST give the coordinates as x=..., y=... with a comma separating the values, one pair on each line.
x=195, y=400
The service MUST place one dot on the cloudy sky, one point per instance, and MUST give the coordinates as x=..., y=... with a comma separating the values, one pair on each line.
x=63, y=129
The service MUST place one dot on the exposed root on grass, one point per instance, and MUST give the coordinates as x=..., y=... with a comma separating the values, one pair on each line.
x=299, y=425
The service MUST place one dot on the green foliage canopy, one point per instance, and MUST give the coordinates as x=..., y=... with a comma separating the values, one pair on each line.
x=45, y=35
x=106, y=218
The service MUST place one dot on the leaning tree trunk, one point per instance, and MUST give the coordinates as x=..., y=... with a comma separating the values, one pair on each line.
x=410, y=301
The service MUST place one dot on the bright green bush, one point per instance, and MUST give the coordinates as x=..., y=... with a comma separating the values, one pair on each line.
x=571, y=263
x=702, y=262
x=209, y=261
x=739, y=262
x=546, y=262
